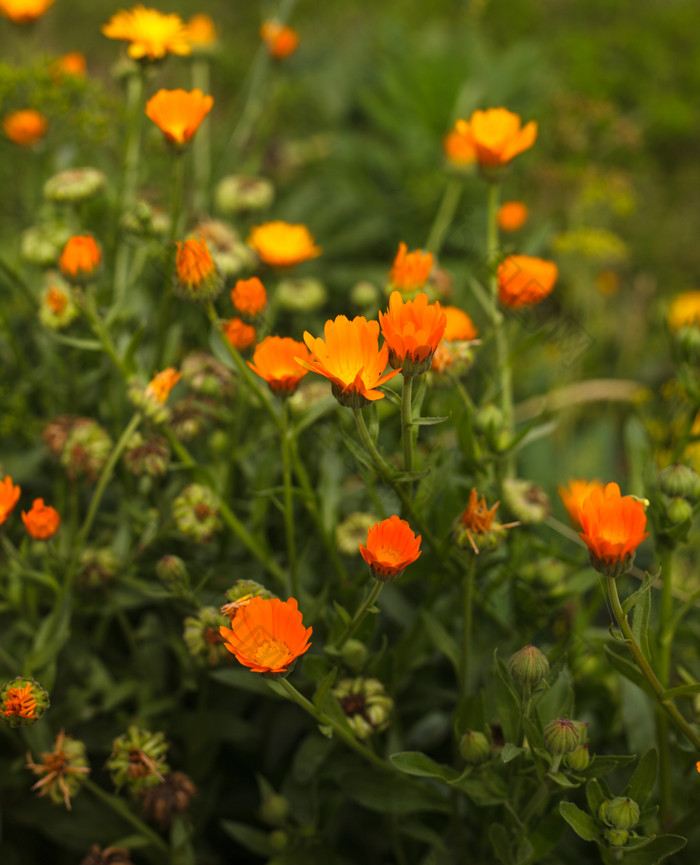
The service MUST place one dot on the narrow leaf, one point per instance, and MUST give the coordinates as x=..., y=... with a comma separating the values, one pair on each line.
x=582, y=824
x=429, y=421
x=642, y=781
x=647, y=583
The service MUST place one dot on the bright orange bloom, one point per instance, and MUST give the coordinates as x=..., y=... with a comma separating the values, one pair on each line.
x=24, y=11
x=249, y=297
x=151, y=34
x=459, y=326
x=80, y=259
x=19, y=702
x=281, y=40
x=459, y=148
x=410, y=270
x=178, y=113
x=412, y=331
x=684, y=311
x=275, y=360
x=573, y=494
x=497, y=135
x=239, y=334
x=162, y=383
x=267, y=635
x=197, y=276
x=391, y=548
x=201, y=31
x=524, y=280
x=281, y=244
x=512, y=215
x=25, y=127
x=612, y=529
x=9, y=496
x=350, y=358
x=72, y=63
x=41, y=521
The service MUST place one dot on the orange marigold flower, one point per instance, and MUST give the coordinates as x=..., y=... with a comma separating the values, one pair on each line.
x=159, y=387
x=73, y=63
x=267, y=635
x=684, y=311
x=24, y=11
x=524, y=280
x=239, y=334
x=281, y=244
x=9, y=496
x=281, y=40
x=197, y=276
x=80, y=259
x=459, y=148
x=410, y=270
x=412, y=331
x=201, y=31
x=497, y=136
x=41, y=521
x=612, y=527
x=512, y=215
x=178, y=113
x=351, y=359
x=476, y=523
x=275, y=360
x=20, y=702
x=573, y=494
x=391, y=547
x=25, y=127
x=459, y=325
x=151, y=34
x=249, y=297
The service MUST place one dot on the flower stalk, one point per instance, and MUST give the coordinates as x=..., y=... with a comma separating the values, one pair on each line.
x=407, y=423
x=444, y=216
x=285, y=436
x=360, y=614
x=467, y=624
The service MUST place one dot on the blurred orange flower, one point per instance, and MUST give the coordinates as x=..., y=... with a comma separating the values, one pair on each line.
x=151, y=34
x=24, y=11
x=684, y=310
x=178, y=113
x=391, y=547
x=524, y=280
x=573, y=494
x=162, y=383
x=9, y=496
x=281, y=40
x=512, y=215
x=72, y=63
x=459, y=148
x=612, y=529
x=80, y=259
x=249, y=297
x=197, y=276
x=281, y=244
x=25, y=127
x=412, y=330
x=350, y=358
x=410, y=270
x=497, y=135
x=41, y=521
x=267, y=635
x=275, y=360
x=239, y=334
x=201, y=31
x=459, y=325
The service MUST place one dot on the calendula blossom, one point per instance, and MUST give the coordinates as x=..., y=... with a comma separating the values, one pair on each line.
x=612, y=527
x=525, y=281
x=391, y=547
x=275, y=361
x=574, y=493
x=684, y=311
x=281, y=244
x=239, y=334
x=162, y=383
x=178, y=113
x=151, y=34
x=9, y=496
x=497, y=136
x=24, y=11
x=201, y=32
x=459, y=149
x=512, y=215
x=25, y=127
x=42, y=521
x=80, y=259
x=412, y=330
x=249, y=297
x=280, y=39
x=410, y=270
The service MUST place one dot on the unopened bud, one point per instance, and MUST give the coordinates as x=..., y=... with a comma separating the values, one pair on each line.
x=616, y=837
x=680, y=480
x=578, y=759
x=687, y=342
x=354, y=654
x=172, y=572
x=528, y=666
x=526, y=501
x=619, y=813
x=74, y=185
x=561, y=736
x=474, y=747
x=678, y=510
x=22, y=702
x=41, y=245
x=364, y=294
x=278, y=840
x=240, y=193
x=274, y=810
x=489, y=420
x=300, y=295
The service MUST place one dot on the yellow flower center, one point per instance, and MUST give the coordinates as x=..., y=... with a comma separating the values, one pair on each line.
x=271, y=653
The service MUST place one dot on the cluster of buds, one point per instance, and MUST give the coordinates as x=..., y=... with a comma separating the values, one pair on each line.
x=152, y=398
x=566, y=741
x=203, y=638
x=143, y=220
x=476, y=528
x=196, y=513
x=240, y=193
x=619, y=815
x=97, y=567
x=147, y=456
x=81, y=444
x=169, y=798
x=240, y=594
x=22, y=702
x=208, y=376
x=230, y=254
x=365, y=704
x=138, y=760
x=61, y=771
x=680, y=493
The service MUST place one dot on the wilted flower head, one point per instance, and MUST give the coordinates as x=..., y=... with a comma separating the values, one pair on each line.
x=168, y=799
x=366, y=705
x=203, y=638
x=138, y=759
x=196, y=275
x=476, y=526
x=151, y=34
x=109, y=856
x=412, y=330
x=574, y=493
x=207, y=375
x=249, y=297
x=281, y=244
x=497, y=136
x=410, y=270
x=525, y=500
x=80, y=259
x=276, y=360
x=512, y=215
x=82, y=445
x=178, y=113
x=75, y=185
x=196, y=513
x=524, y=280
x=42, y=521
x=25, y=127
x=280, y=39
x=61, y=771
x=22, y=702
x=24, y=11
x=97, y=567
x=147, y=456
x=612, y=527
x=9, y=496
x=391, y=547
x=241, y=192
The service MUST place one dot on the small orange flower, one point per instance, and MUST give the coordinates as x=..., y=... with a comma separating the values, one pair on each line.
x=9, y=496
x=497, y=136
x=281, y=40
x=41, y=521
x=684, y=311
x=197, y=276
x=19, y=702
x=476, y=523
x=249, y=297
x=275, y=360
x=80, y=259
x=267, y=635
x=413, y=331
x=512, y=215
x=24, y=11
x=459, y=325
x=391, y=547
x=612, y=529
x=73, y=63
x=410, y=270
x=281, y=244
x=178, y=113
x=159, y=387
x=524, y=280
x=25, y=127
x=350, y=358
x=56, y=300
x=459, y=148
x=573, y=494
x=201, y=31
x=239, y=334
x=151, y=34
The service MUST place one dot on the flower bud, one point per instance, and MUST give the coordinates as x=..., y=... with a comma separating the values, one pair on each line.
x=561, y=736
x=86, y=449
x=365, y=704
x=41, y=245
x=300, y=295
x=197, y=276
x=616, y=837
x=677, y=510
x=474, y=747
x=274, y=810
x=680, y=480
x=526, y=501
x=239, y=193
x=203, y=637
x=578, y=759
x=619, y=813
x=529, y=666
x=143, y=220
x=138, y=760
x=97, y=567
x=147, y=456
x=354, y=654
x=364, y=294
x=489, y=421
x=241, y=593
x=22, y=702
x=196, y=513
x=278, y=840
x=172, y=572
x=74, y=185
x=208, y=376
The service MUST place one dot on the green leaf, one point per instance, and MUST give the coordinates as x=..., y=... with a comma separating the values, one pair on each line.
x=319, y=698
x=75, y=342
x=595, y=796
x=358, y=452
x=429, y=421
x=410, y=477
x=656, y=851
x=251, y=839
x=419, y=764
x=680, y=691
x=380, y=791
x=507, y=701
x=52, y=635
x=647, y=583
x=498, y=835
x=442, y=640
x=582, y=824
x=479, y=793
x=640, y=624
x=602, y=764
x=642, y=781
x=628, y=670
x=561, y=779
x=244, y=679
x=391, y=395
x=510, y=752
x=309, y=757
x=423, y=833
x=342, y=612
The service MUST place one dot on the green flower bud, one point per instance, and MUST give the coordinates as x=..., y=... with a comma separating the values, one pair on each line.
x=172, y=572
x=300, y=295
x=680, y=480
x=678, y=510
x=41, y=245
x=616, y=837
x=86, y=449
x=143, y=220
x=138, y=760
x=489, y=420
x=203, y=637
x=561, y=736
x=75, y=185
x=526, y=501
x=239, y=193
x=354, y=654
x=474, y=747
x=528, y=666
x=578, y=759
x=365, y=704
x=687, y=342
x=364, y=294
x=208, y=376
x=274, y=810
x=22, y=702
x=196, y=513
x=97, y=568
x=278, y=840
x=619, y=813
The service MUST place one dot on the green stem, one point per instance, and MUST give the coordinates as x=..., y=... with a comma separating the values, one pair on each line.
x=119, y=807
x=665, y=639
x=444, y=216
x=359, y=616
x=286, y=433
x=467, y=617
x=406, y=423
x=201, y=145
x=164, y=314
x=667, y=705
x=98, y=328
